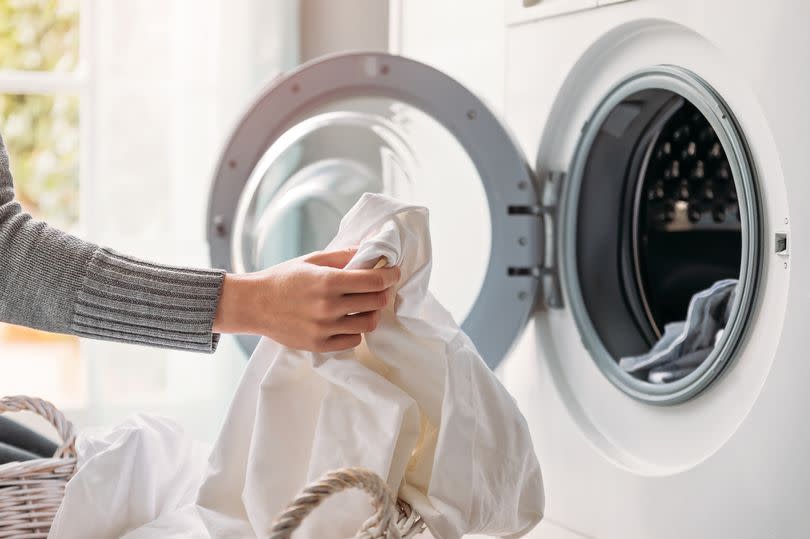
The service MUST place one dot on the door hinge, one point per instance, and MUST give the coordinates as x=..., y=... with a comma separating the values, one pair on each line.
x=547, y=270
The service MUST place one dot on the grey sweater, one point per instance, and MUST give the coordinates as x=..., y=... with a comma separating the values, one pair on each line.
x=56, y=282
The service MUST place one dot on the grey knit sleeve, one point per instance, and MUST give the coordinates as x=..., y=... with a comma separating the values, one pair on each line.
x=56, y=282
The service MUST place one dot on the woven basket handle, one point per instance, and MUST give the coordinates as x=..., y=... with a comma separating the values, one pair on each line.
x=64, y=428
x=382, y=524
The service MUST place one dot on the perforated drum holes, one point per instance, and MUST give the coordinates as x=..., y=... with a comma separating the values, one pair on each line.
x=688, y=183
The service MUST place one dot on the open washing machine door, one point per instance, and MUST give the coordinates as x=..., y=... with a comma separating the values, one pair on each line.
x=322, y=135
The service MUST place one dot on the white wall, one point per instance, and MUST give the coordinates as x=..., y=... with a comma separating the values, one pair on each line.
x=329, y=26
x=464, y=39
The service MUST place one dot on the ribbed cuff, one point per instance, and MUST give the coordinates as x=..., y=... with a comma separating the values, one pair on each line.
x=129, y=300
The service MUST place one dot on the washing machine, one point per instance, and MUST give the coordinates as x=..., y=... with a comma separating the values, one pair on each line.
x=649, y=148
x=606, y=95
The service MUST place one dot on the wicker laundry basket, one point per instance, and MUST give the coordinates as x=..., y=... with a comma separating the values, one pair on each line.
x=31, y=491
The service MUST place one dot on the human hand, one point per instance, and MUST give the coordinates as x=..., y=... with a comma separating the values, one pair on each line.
x=308, y=303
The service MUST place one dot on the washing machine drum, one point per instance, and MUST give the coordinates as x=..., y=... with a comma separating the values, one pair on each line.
x=321, y=136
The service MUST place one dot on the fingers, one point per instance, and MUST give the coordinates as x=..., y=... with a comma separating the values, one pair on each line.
x=361, y=303
x=348, y=331
x=356, y=323
x=333, y=259
x=340, y=342
x=363, y=281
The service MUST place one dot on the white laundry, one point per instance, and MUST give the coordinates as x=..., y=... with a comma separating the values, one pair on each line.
x=128, y=476
x=414, y=403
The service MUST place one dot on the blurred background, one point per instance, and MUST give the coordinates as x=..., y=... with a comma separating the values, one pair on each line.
x=104, y=104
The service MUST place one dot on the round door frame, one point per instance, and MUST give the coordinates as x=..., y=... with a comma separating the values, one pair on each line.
x=696, y=90
x=506, y=298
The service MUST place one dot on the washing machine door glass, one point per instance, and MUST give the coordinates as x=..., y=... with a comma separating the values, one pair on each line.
x=314, y=173
x=319, y=138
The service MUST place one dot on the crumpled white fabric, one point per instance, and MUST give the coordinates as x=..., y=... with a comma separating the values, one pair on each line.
x=415, y=403
x=128, y=476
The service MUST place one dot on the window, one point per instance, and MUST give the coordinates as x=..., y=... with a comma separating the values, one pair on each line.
x=39, y=35
x=41, y=86
x=114, y=114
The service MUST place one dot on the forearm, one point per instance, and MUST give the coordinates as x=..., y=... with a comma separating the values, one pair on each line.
x=56, y=282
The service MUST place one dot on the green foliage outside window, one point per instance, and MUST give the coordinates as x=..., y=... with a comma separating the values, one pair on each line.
x=41, y=132
x=40, y=35
x=42, y=136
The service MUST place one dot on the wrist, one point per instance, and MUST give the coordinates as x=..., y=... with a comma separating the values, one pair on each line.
x=232, y=309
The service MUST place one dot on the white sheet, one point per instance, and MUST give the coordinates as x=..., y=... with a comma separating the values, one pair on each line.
x=137, y=472
x=415, y=403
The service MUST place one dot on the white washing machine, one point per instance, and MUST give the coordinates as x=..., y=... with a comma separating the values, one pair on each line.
x=589, y=91
x=667, y=144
